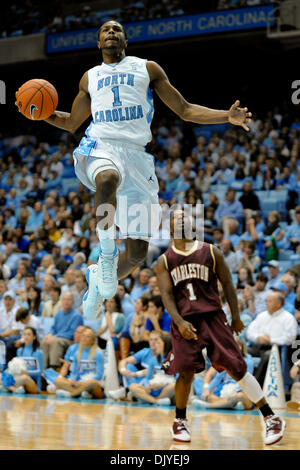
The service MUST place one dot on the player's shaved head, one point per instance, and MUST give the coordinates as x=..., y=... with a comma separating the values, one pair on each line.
x=113, y=22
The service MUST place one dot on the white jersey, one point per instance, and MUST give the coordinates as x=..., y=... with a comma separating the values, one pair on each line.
x=121, y=101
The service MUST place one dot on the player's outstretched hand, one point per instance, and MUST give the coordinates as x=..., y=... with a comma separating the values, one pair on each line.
x=187, y=330
x=237, y=326
x=239, y=116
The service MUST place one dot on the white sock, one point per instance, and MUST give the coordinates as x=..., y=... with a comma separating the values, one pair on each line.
x=107, y=240
x=251, y=388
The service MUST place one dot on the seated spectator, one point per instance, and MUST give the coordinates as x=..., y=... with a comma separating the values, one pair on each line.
x=67, y=239
x=273, y=274
x=17, y=283
x=47, y=267
x=282, y=288
x=79, y=261
x=250, y=233
x=250, y=260
x=220, y=390
x=126, y=301
x=228, y=209
x=29, y=381
x=134, y=368
x=274, y=326
x=158, y=319
x=141, y=286
x=233, y=226
x=79, y=288
x=223, y=175
x=87, y=370
x=69, y=280
x=51, y=375
x=273, y=231
x=34, y=303
x=36, y=218
x=48, y=283
x=132, y=336
x=157, y=387
x=256, y=296
x=52, y=306
x=218, y=235
x=2, y=292
x=5, y=271
x=229, y=255
x=9, y=329
x=55, y=344
x=244, y=278
x=249, y=200
x=61, y=264
x=112, y=322
x=209, y=223
x=290, y=283
x=292, y=233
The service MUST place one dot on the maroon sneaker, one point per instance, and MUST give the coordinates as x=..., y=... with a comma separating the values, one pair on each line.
x=274, y=429
x=180, y=431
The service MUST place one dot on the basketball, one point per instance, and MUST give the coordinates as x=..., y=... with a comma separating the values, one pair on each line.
x=37, y=99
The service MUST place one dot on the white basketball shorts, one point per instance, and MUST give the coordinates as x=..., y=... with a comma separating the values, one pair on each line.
x=138, y=211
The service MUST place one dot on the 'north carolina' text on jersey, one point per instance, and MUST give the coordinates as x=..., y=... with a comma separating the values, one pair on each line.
x=121, y=101
x=194, y=279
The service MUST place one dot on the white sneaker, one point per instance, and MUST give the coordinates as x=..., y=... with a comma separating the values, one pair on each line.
x=117, y=394
x=180, y=430
x=274, y=429
x=20, y=390
x=163, y=401
x=51, y=388
x=107, y=274
x=63, y=393
x=86, y=394
x=91, y=299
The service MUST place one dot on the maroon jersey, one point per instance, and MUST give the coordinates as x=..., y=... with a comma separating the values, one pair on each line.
x=194, y=279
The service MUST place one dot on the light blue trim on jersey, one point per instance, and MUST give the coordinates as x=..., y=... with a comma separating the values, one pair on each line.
x=115, y=63
x=150, y=101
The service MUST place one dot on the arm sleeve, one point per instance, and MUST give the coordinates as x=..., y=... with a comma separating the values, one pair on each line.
x=149, y=325
x=287, y=334
x=119, y=323
x=253, y=330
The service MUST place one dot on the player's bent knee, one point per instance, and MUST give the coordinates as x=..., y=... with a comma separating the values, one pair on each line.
x=108, y=179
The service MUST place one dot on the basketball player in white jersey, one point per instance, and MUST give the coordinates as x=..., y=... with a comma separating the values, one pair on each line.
x=111, y=160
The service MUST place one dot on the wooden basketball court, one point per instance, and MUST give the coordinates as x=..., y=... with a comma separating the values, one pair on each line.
x=50, y=423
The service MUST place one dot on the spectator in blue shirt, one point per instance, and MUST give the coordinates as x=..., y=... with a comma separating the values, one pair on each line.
x=290, y=283
x=126, y=301
x=141, y=287
x=36, y=219
x=228, y=209
x=66, y=321
x=158, y=318
x=224, y=175
x=292, y=233
x=30, y=379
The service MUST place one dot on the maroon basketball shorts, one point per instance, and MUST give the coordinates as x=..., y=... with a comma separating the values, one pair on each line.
x=214, y=333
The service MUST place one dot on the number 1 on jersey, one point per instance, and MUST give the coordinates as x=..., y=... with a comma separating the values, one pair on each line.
x=116, y=101
x=191, y=291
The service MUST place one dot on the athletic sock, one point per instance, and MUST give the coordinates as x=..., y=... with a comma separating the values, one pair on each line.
x=180, y=413
x=107, y=240
x=266, y=410
x=251, y=388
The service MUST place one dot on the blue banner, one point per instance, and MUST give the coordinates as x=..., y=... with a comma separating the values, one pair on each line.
x=179, y=26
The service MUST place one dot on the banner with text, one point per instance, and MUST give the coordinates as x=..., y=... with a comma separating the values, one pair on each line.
x=180, y=26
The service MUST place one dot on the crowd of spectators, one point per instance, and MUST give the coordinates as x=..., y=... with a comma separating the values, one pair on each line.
x=47, y=240
x=30, y=17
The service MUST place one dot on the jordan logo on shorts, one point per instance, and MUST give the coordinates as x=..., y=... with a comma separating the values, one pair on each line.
x=151, y=179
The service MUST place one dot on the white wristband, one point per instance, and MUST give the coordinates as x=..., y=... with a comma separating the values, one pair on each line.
x=205, y=385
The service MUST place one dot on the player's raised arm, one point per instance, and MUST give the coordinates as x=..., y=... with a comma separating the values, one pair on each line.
x=193, y=112
x=81, y=109
x=165, y=286
x=224, y=275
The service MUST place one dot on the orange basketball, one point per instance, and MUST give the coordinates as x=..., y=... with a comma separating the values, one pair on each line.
x=37, y=99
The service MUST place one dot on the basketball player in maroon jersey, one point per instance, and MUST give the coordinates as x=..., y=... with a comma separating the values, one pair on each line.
x=187, y=275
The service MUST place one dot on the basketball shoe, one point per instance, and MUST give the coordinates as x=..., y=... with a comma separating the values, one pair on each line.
x=91, y=299
x=107, y=274
x=274, y=429
x=180, y=431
